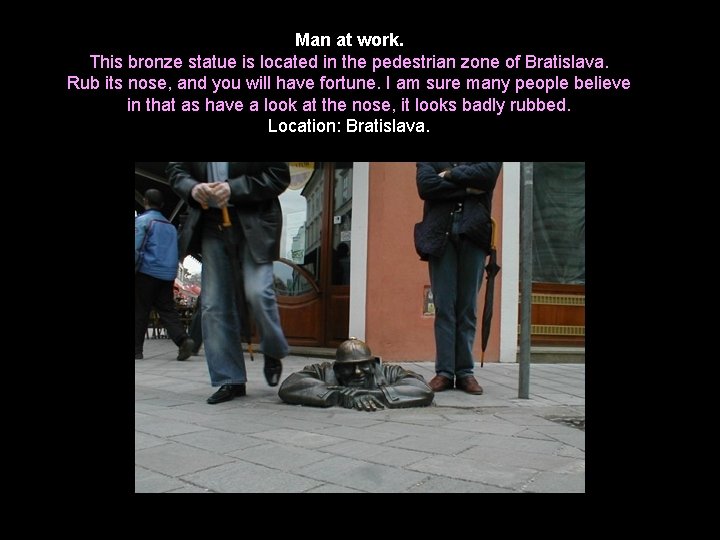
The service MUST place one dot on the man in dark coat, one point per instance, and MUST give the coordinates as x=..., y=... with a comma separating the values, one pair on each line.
x=358, y=380
x=250, y=192
x=454, y=237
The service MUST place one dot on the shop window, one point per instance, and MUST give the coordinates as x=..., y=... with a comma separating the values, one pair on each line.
x=559, y=222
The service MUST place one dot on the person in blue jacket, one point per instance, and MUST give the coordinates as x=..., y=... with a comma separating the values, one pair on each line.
x=156, y=265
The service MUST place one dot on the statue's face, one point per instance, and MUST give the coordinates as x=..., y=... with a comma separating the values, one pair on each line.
x=357, y=375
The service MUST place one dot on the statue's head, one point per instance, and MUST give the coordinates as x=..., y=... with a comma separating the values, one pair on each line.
x=355, y=364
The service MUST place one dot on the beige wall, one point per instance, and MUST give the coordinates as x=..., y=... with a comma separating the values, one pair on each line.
x=396, y=328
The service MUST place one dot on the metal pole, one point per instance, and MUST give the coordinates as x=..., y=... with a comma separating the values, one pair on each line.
x=526, y=233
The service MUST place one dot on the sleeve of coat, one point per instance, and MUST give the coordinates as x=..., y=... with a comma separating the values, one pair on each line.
x=267, y=183
x=182, y=181
x=308, y=387
x=405, y=388
x=431, y=186
x=481, y=175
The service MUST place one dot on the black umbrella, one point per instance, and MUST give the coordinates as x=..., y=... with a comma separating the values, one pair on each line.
x=232, y=246
x=492, y=270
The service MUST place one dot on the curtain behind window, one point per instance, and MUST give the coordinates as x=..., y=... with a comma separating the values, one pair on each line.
x=559, y=222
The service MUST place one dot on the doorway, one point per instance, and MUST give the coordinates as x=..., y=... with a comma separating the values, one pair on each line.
x=312, y=278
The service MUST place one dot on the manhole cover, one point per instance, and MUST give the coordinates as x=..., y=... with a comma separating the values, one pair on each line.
x=572, y=421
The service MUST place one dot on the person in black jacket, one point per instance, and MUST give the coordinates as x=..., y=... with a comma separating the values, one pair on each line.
x=250, y=192
x=454, y=237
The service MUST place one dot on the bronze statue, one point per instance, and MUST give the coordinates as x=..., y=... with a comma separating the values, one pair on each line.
x=356, y=380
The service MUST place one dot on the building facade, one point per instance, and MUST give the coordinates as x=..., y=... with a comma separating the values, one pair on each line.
x=349, y=268
x=368, y=211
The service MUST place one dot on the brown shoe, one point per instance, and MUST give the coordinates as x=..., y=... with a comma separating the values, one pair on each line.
x=469, y=384
x=439, y=383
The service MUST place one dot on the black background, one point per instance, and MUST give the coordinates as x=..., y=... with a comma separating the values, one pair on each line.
x=97, y=142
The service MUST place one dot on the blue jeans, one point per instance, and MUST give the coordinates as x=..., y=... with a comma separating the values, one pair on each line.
x=455, y=279
x=220, y=320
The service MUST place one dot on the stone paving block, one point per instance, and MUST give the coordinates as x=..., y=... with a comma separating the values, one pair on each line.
x=176, y=459
x=243, y=477
x=140, y=397
x=276, y=456
x=145, y=382
x=531, y=434
x=161, y=427
x=436, y=421
x=455, y=415
x=568, y=435
x=475, y=471
x=187, y=389
x=487, y=425
x=516, y=443
x=563, y=399
x=524, y=419
x=456, y=398
x=565, y=385
x=298, y=438
x=363, y=435
x=162, y=383
x=360, y=475
x=181, y=414
x=571, y=451
x=394, y=457
x=235, y=423
x=427, y=416
x=336, y=416
x=142, y=440
x=451, y=485
x=145, y=409
x=279, y=421
x=331, y=488
x=550, y=482
x=513, y=458
x=153, y=482
x=432, y=444
x=169, y=401
x=399, y=428
x=534, y=402
x=560, y=410
x=218, y=441
x=190, y=489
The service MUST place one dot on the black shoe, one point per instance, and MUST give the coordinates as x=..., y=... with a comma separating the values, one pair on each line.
x=185, y=350
x=272, y=370
x=138, y=356
x=226, y=393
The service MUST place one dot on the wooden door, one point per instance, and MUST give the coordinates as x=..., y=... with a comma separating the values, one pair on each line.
x=314, y=288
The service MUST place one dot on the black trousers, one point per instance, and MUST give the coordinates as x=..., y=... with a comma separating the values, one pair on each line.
x=196, y=325
x=155, y=293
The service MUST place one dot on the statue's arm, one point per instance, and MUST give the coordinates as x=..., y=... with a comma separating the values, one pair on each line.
x=304, y=388
x=407, y=390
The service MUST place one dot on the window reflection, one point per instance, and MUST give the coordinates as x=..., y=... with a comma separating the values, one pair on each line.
x=288, y=281
x=304, y=204
x=559, y=222
x=342, y=223
x=302, y=223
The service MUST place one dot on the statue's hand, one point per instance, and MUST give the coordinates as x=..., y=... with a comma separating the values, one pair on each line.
x=345, y=396
x=367, y=403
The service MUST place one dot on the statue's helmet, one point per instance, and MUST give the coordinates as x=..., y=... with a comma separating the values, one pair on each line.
x=353, y=351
